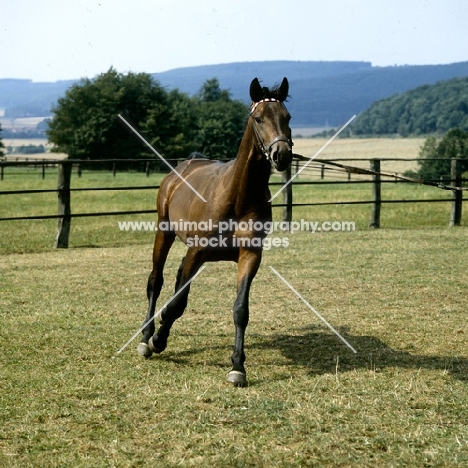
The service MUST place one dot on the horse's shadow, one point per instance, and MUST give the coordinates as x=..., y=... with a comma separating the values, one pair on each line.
x=318, y=350
x=322, y=352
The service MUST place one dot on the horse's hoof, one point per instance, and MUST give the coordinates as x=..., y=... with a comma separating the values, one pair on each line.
x=144, y=350
x=156, y=347
x=237, y=378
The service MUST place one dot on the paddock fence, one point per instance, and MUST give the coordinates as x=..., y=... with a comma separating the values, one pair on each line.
x=317, y=173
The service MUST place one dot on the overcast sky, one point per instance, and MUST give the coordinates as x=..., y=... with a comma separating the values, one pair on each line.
x=49, y=40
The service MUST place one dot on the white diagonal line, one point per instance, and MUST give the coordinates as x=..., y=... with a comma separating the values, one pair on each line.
x=157, y=315
x=162, y=159
x=312, y=158
x=312, y=309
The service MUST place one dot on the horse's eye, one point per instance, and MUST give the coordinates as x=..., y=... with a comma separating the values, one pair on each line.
x=258, y=120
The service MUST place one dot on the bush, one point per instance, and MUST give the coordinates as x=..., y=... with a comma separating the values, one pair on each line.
x=453, y=145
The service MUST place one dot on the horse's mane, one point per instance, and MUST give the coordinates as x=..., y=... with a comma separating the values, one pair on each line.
x=273, y=92
x=196, y=155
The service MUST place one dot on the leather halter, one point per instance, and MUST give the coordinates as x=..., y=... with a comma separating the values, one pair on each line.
x=266, y=149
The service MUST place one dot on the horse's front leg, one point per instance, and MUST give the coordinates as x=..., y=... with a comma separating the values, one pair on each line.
x=174, y=310
x=248, y=264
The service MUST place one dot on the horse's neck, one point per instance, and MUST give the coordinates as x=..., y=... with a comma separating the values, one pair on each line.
x=249, y=184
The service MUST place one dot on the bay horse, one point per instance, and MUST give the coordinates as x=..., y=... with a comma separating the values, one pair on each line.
x=237, y=195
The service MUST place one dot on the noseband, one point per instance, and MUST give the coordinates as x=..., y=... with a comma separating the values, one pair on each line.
x=266, y=149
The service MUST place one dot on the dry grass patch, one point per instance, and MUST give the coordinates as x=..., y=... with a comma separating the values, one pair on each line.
x=365, y=148
x=398, y=296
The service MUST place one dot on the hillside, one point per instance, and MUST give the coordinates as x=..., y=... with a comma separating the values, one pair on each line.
x=322, y=93
x=25, y=98
x=424, y=110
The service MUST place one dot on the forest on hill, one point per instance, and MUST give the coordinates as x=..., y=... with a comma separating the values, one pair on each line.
x=425, y=110
x=323, y=94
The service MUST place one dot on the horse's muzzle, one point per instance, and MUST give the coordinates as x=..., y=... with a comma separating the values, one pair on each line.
x=281, y=154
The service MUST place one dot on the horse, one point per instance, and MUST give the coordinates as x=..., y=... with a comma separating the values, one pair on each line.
x=227, y=205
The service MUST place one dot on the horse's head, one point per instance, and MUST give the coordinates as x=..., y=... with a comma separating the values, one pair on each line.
x=270, y=121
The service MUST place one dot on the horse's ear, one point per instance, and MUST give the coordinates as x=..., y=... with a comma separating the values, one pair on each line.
x=283, y=90
x=256, y=91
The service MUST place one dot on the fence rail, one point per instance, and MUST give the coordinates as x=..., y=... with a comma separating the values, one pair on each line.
x=64, y=190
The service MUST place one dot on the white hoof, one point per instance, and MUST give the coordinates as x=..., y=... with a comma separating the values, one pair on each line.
x=237, y=378
x=144, y=350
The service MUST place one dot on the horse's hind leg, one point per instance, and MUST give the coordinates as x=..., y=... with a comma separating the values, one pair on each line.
x=162, y=245
x=188, y=268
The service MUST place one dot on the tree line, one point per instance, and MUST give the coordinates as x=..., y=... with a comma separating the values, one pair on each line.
x=85, y=123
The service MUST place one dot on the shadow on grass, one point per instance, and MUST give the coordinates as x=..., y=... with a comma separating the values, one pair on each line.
x=318, y=349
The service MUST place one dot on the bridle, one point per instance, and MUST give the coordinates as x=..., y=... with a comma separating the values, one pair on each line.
x=264, y=148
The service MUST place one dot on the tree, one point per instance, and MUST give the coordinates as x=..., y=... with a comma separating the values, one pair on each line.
x=85, y=124
x=211, y=92
x=453, y=145
x=221, y=121
x=174, y=129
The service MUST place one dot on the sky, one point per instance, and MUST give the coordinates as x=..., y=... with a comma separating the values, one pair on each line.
x=50, y=40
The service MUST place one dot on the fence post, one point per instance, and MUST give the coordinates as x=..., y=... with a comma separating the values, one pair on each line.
x=64, y=209
x=376, y=194
x=1, y=171
x=287, y=195
x=457, y=195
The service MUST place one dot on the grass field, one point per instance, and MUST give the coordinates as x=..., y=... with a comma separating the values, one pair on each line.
x=30, y=236
x=398, y=295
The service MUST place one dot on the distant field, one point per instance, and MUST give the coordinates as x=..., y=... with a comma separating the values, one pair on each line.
x=24, y=141
x=348, y=148
x=365, y=148
x=21, y=123
x=35, y=156
x=15, y=142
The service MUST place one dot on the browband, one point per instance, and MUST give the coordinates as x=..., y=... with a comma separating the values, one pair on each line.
x=255, y=104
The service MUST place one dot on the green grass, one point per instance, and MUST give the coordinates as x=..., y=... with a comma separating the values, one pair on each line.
x=29, y=236
x=398, y=295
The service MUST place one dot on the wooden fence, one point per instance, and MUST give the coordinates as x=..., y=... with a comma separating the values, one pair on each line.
x=64, y=191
